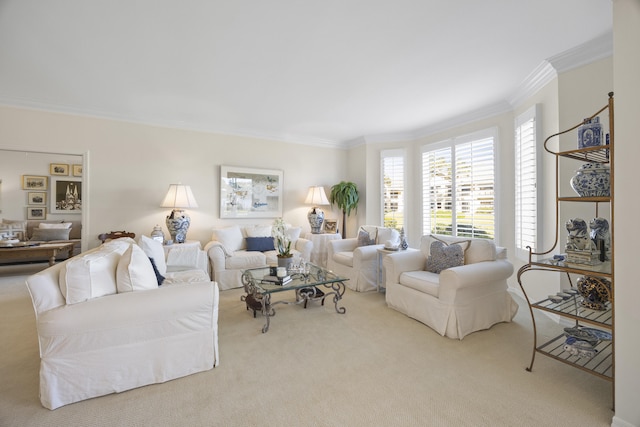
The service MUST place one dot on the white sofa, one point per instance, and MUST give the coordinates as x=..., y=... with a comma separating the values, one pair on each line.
x=357, y=259
x=105, y=325
x=459, y=300
x=230, y=251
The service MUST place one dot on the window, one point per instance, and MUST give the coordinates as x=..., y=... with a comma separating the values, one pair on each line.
x=526, y=168
x=392, y=163
x=458, y=186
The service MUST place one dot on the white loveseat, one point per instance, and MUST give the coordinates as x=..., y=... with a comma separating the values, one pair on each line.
x=357, y=259
x=459, y=300
x=105, y=326
x=236, y=248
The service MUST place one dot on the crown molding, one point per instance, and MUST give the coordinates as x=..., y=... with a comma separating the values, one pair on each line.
x=539, y=77
x=215, y=128
x=596, y=49
x=599, y=48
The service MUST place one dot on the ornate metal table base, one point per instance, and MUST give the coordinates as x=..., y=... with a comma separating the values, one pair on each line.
x=305, y=292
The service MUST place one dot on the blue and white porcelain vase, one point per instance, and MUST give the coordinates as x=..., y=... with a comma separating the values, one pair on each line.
x=590, y=133
x=592, y=180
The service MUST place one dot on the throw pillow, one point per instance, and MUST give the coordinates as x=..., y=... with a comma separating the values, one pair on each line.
x=444, y=256
x=159, y=277
x=427, y=240
x=134, y=271
x=230, y=238
x=260, y=244
x=18, y=228
x=258, y=231
x=364, y=238
x=154, y=250
x=91, y=275
x=386, y=234
x=294, y=234
x=48, y=234
x=55, y=225
x=20, y=223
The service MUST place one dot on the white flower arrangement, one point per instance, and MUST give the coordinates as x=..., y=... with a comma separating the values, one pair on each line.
x=281, y=239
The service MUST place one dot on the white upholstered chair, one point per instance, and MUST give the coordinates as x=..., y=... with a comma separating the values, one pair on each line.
x=458, y=300
x=357, y=261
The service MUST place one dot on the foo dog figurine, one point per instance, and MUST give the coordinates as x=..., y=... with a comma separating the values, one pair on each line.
x=578, y=238
x=600, y=236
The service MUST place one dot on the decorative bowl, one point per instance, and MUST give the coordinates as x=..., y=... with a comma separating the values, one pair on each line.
x=595, y=292
x=592, y=180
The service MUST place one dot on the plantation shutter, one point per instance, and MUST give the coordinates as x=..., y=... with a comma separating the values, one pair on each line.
x=474, y=186
x=393, y=188
x=437, y=191
x=526, y=184
x=458, y=186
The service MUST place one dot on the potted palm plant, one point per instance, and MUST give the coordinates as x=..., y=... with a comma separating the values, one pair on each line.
x=345, y=196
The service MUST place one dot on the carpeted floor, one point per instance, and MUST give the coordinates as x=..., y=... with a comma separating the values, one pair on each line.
x=370, y=366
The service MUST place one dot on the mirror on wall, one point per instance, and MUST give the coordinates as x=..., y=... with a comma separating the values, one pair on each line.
x=41, y=186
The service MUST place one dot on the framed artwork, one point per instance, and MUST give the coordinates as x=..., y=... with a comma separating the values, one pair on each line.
x=33, y=182
x=250, y=193
x=331, y=226
x=36, y=213
x=77, y=170
x=37, y=198
x=66, y=195
x=59, y=169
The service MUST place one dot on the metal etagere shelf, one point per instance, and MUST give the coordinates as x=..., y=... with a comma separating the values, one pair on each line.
x=602, y=364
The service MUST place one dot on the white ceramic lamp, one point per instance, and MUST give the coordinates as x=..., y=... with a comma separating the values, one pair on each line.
x=316, y=197
x=178, y=198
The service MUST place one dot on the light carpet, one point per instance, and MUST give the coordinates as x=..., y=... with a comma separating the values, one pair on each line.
x=315, y=367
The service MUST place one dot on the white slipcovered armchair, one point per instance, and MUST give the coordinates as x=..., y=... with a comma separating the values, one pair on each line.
x=357, y=261
x=459, y=300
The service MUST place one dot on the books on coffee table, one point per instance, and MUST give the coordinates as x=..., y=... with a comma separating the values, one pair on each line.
x=277, y=280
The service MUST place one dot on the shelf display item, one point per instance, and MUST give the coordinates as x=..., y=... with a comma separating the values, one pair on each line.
x=592, y=180
x=590, y=133
x=595, y=292
x=601, y=237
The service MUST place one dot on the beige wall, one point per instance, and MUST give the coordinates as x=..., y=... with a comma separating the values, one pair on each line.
x=130, y=167
x=627, y=206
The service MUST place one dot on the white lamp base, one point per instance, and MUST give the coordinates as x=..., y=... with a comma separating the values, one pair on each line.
x=178, y=224
x=316, y=218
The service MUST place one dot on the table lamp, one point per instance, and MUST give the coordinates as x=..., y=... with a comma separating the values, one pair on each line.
x=178, y=198
x=315, y=197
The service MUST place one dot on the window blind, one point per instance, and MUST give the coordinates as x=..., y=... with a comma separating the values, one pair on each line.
x=393, y=172
x=458, y=187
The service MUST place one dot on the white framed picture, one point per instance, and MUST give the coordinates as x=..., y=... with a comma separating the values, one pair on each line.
x=250, y=192
x=66, y=195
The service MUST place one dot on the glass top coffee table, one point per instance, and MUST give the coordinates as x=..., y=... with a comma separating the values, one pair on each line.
x=259, y=286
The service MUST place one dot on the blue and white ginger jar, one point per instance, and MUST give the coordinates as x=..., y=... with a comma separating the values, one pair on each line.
x=592, y=180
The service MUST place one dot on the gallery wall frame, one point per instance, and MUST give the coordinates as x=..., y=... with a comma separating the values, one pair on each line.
x=34, y=182
x=60, y=169
x=331, y=226
x=36, y=212
x=76, y=170
x=37, y=198
x=250, y=192
x=66, y=195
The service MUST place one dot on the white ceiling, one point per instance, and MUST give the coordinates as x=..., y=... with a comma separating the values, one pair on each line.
x=328, y=71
